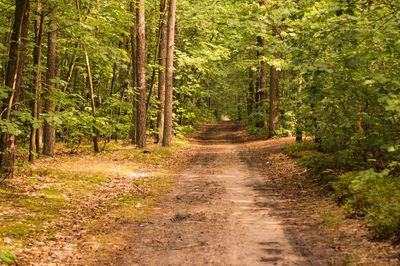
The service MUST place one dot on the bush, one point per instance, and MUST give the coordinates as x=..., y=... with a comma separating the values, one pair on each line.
x=375, y=195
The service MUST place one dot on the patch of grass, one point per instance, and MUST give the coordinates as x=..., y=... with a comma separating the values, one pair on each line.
x=298, y=148
x=331, y=221
x=137, y=205
x=350, y=260
x=6, y=257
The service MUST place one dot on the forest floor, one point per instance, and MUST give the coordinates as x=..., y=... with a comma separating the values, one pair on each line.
x=225, y=198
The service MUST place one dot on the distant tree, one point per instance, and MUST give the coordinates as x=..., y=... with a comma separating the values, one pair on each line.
x=274, y=93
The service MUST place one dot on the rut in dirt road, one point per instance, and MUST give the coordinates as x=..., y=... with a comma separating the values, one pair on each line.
x=219, y=212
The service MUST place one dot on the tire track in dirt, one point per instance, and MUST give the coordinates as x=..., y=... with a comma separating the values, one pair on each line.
x=217, y=214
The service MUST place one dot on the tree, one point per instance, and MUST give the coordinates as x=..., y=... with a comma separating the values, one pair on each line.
x=169, y=75
x=274, y=93
x=49, y=131
x=37, y=58
x=8, y=131
x=162, y=60
x=141, y=79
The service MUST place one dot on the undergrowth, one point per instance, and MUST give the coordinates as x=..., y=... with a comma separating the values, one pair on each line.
x=372, y=193
x=53, y=194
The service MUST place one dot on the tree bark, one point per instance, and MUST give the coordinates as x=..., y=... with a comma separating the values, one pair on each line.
x=49, y=131
x=92, y=102
x=12, y=79
x=134, y=73
x=162, y=61
x=274, y=94
x=250, y=96
x=262, y=88
x=141, y=69
x=167, y=140
x=37, y=57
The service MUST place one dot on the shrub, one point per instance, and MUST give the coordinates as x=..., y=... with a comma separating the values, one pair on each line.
x=375, y=195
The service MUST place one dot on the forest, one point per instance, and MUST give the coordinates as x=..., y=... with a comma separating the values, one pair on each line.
x=98, y=75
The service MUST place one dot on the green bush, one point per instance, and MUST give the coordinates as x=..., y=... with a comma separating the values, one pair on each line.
x=375, y=195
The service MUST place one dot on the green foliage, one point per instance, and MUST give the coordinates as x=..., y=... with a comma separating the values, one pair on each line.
x=7, y=258
x=375, y=195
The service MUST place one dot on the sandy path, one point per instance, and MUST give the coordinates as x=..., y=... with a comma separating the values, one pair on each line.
x=217, y=215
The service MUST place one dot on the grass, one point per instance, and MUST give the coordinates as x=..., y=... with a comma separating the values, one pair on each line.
x=54, y=195
x=331, y=221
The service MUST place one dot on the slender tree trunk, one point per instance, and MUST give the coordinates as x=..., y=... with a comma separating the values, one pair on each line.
x=7, y=141
x=49, y=131
x=274, y=94
x=37, y=55
x=251, y=96
x=141, y=68
x=21, y=58
x=167, y=140
x=92, y=102
x=263, y=84
x=162, y=61
x=134, y=73
x=71, y=70
x=299, y=132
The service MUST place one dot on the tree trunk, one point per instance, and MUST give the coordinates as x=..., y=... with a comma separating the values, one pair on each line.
x=167, y=140
x=162, y=61
x=37, y=57
x=134, y=73
x=299, y=132
x=262, y=84
x=251, y=96
x=12, y=78
x=49, y=131
x=141, y=69
x=274, y=94
x=92, y=102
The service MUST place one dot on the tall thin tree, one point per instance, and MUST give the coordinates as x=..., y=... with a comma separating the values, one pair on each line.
x=49, y=131
x=167, y=140
x=141, y=79
x=37, y=58
x=162, y=61
x=133, y=32
x=274, y=92
x=7, y=141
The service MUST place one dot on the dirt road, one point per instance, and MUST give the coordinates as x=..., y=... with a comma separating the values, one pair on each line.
x=219, y=213
x=239, y=202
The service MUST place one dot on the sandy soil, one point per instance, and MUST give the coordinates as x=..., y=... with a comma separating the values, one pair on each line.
x=229, y=207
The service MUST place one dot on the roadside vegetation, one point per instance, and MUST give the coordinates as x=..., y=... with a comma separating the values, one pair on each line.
x=75, y=200
x=373, y=193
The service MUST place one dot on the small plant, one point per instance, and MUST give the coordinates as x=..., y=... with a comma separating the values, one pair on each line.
x=7, y=258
